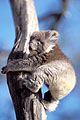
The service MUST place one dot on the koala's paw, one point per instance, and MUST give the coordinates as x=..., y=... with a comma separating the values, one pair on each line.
x=31, y=85
x=50, y=106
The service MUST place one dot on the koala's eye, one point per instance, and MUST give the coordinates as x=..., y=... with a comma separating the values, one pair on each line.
x=38, y=42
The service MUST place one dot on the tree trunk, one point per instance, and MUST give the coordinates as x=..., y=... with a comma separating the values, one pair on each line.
x=27, y=104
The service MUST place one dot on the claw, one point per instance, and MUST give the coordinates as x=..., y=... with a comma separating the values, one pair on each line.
x=31, y=85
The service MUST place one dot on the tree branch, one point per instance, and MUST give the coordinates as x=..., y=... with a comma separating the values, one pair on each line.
x=57, y=16
x=27, y=104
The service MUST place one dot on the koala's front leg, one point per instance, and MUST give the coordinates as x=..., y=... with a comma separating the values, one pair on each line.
x=29, y=64
x=19, y=65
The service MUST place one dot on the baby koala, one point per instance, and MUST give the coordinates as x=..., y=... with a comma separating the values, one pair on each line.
x=48, y=65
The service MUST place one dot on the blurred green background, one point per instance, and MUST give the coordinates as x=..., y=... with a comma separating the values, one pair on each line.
x=62, y=15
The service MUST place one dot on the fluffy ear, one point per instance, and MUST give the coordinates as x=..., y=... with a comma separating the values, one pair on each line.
x=4, y=70
x=52, y=36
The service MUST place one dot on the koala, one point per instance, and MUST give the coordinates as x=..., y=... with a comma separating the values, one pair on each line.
x=48, y=65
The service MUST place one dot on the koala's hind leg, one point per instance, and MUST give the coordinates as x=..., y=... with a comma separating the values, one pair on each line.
x=49, y=103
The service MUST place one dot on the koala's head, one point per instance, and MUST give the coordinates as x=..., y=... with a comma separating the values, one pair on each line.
x=43, y=41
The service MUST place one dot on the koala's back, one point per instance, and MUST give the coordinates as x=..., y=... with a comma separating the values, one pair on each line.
x=60, y=76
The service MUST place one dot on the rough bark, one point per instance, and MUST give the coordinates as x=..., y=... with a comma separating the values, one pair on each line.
x=27, y=104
